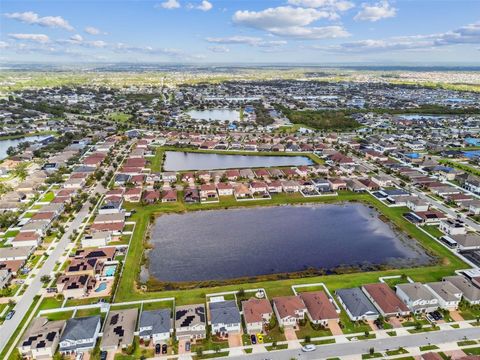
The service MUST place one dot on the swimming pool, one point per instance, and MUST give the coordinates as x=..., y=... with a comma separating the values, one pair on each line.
x=110, y=270
x=101, y=287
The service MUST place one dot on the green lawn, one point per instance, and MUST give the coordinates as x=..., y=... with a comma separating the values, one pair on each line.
x=128, y=291
x=309, y=330
x=472, y=351
x=48, y=197
x=119, y=117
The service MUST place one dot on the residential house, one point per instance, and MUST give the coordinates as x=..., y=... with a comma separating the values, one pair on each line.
x=224, y=317
x=190, y=322
x=80, y=335
x=320, y=309
x=448, y=295
x=119, y=329
x=385, y=300
x=356, y=304
x=41, y=338
x=156, y=325
x=417, y=297
x=470, y=292
x=289, y=310
x=257, y=314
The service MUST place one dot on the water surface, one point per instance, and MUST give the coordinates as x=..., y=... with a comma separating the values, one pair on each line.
x=215, y=115
x=5, y=144
x=181, y=161
x=226, y=244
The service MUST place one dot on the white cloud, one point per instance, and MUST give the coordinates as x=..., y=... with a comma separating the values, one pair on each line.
x=80, y=41
x=247, y=40
x=29, y=17
x=291, y=21
x=219, y=49
x=3, y=45
x=205, y=6
x=338, y=5
x=76, y=37
x=375, y=12
x=169, y=4
x=40, y=38
x=93, y=31
x=469, y=34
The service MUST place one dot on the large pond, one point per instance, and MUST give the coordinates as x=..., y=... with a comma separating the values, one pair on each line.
x=226, y=244
x=5, y=144
x=215, y=115
x=181, y=161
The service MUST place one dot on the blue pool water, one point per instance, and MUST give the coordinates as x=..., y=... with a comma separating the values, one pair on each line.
x=110, y=271
x=472, y=154
x=101, y=287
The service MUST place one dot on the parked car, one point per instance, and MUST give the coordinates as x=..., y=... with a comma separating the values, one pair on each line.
x=187, y=346
x=260, y=338
x=157, y=349
x=103, y=355
x=10, y=315
x=164, y=348
x=253, y=338
x=309, y=348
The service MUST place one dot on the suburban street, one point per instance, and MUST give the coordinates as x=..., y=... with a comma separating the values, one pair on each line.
x=362, y=347
x=33, y=289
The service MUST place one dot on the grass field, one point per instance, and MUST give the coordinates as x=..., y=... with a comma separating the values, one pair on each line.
x=128, y=291
x=119, y=117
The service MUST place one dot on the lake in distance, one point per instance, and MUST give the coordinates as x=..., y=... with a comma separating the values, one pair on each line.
x=181, y=161
x=234, y=243
x=5, y=144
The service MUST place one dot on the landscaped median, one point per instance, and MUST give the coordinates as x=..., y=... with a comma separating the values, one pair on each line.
x=129, y=289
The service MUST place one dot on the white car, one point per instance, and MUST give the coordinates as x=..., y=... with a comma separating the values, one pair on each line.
x=309, y=348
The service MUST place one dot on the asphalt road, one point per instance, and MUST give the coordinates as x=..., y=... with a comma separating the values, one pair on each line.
x=363, y=347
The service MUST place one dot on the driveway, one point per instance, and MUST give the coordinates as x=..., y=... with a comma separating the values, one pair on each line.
x=290, y=333
x=395, y=322
x=181, y=346
x=235, y=340
x=455, y=315
x=335, y=327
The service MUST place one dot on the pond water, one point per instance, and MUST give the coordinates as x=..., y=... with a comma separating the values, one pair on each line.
x=416, y=117
x=226, y=244
x=5, y=144
x=215, y=115
x=181, y=161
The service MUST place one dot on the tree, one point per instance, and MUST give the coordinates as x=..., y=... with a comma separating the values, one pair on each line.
x=308, y=339
x=371, y=351
x=45, y=279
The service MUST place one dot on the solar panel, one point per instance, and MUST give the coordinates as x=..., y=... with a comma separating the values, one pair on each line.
x=114, y=319
x=188, y=320
x=51, y=335
x=180, y=313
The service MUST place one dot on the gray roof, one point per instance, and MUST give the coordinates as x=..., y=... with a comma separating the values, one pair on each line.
x=224, y=312
x=416, y=291
x=160, y=322
x=470, y=291
x=356, y=302
x=445, y=290
x=80, y=329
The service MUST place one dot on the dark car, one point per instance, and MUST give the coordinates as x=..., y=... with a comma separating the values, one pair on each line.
x=10, y=315
x=253, y=338
x=379, y=324
x=164, y=348
x=187, y=346
x=103, y=355
x=157, y=349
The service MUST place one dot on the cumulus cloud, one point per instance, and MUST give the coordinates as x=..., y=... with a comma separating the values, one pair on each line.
x=290, y=21
x=220, y=49
x=29, y=17
x=93, y=31
x=40, y=38
x=247, y=40
x=169, y=4
x=468, y=34
x=205, y=6
x=375, y=12
x=338, y=5
x=78, y=40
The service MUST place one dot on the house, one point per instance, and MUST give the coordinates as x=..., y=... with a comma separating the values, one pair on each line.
x=385, y=300
x=257, y=313
x=274, y=187
x=119, y=329
x=417, y=204
x=337, y=184
x=242, y=191
x=151, y=196
x=474, y=207
x=224, y=317
x=190, y=322
x=41, y=338
x=470, y=292
x=289, y=310
x=320, y=308
x=15, y=253
x=75, y=286
x=133, y=194
x=448, y=295
x=232, y=175
x=80, y=335
x=169, y=196
x=5, y=277
x=26, y=238
x=225, y=189
x=417, y=297
x=208, y=192
x=452, y=227
x=290, y=186
x=97, y=239
x=356, y=304
x=191, y=195
x=156, y=325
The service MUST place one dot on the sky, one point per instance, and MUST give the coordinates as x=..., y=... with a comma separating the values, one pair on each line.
x=241, y=31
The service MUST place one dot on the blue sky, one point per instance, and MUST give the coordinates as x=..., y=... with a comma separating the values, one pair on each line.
x=241, y=31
